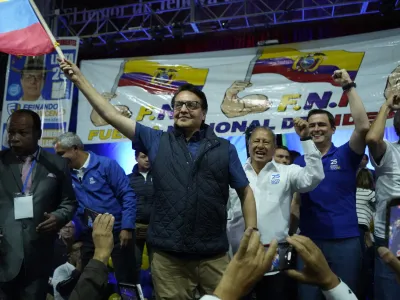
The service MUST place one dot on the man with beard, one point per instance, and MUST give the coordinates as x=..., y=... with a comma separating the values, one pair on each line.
x=192, y=170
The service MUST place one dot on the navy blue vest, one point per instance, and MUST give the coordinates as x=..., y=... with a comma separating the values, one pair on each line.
x=144, y=191
x=189, y=213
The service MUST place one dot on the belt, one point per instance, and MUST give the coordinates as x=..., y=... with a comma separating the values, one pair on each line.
x=145, y=222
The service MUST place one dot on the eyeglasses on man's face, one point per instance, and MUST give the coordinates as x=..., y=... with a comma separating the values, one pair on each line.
x=190, y=105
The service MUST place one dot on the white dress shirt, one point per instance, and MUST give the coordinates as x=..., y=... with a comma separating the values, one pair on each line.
x=387, y=184
x=273, y=190
x=341, y=292
x=81, y=171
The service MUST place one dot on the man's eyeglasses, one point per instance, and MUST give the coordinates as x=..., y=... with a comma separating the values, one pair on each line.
x=30, y=77
x=190, y=105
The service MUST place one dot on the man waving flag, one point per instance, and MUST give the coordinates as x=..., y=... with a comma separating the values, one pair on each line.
x=21, y=32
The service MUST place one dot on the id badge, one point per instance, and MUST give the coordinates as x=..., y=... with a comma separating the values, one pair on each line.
x=23, y=206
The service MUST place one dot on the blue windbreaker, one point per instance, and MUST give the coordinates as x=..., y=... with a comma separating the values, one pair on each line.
x=105, y=189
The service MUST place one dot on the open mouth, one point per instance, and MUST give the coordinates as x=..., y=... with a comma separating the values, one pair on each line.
x=260, y=154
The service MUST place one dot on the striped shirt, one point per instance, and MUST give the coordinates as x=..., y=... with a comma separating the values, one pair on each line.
x=365, y=206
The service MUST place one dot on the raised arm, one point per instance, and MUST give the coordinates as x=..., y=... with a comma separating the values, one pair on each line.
x=306, y=179
x=361, y=123
x=374, y=139
x=101, y=105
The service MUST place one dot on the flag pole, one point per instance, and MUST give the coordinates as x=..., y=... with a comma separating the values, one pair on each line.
x=47, y=29
x=49, y=33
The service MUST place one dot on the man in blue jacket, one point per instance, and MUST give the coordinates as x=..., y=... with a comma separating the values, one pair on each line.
x=101, y=186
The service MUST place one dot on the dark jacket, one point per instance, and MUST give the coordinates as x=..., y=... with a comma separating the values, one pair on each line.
x=143, y=188
x=52, y=192
x=92, y=283
x=189, y=213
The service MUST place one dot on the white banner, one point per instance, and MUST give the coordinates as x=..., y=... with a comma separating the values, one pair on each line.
x=36, y=83
x=267, y=86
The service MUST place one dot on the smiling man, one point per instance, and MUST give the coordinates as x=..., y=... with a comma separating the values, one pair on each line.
x=192, y=170
x=32, y=78
x=273, y=184
x=328, y=214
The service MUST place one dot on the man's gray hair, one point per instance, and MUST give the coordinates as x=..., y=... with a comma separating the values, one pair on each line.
x=69, y=140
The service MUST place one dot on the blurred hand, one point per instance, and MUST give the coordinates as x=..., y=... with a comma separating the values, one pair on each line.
x=49, y=225
x=393, y=102
x=392, y=261
x=125, y=237
x=247, y=267
x=301, y=127
x=103, y=237
x=316, y=270
x=67, y=66
x=341, y=77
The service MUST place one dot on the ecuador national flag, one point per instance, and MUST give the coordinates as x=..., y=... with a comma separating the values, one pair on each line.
x=160, y=79
x=308, y=67
x=20, y=30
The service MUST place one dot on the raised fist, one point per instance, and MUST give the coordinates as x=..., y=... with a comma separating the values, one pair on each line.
x=341, y=77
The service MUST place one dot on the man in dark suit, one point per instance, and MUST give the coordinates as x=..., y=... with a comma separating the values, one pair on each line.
x=36, y=200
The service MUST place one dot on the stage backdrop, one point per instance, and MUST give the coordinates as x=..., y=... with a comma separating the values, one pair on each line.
x=36, y=83
x=267, y=86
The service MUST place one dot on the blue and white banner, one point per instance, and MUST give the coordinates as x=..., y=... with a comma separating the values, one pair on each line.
x=36, y=83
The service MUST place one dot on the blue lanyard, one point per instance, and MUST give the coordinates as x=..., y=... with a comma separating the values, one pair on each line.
x=27, y=176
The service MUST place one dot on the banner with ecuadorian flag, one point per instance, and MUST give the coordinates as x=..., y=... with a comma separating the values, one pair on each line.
x=308, y=67
x=156, y=78
x=21, y=32
x=261, y=86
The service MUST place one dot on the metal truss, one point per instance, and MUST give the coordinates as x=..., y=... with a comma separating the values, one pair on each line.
x=159, y=19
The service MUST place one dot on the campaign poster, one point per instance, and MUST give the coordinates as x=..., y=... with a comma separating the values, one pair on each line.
x=37, y=83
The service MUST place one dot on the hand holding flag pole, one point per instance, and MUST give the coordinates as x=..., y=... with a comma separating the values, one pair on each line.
x=49, y=33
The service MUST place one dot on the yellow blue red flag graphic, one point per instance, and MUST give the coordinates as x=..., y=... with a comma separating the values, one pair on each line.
x=160, y=79
x=304, y=67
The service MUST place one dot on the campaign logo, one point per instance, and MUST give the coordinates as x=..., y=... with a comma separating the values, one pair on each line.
x=275, y=178
x=14, y=89
x=11, y=107
x=334, y=164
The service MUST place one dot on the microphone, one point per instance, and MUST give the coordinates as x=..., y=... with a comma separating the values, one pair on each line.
x=80, y=179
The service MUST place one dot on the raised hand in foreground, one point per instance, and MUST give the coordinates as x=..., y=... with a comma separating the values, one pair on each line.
x=103, y=239
x=246, y=268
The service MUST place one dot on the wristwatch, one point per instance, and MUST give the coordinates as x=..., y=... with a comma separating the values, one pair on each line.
x=349, y=86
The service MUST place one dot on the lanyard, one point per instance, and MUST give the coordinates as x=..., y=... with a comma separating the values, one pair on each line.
x=28, y=175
